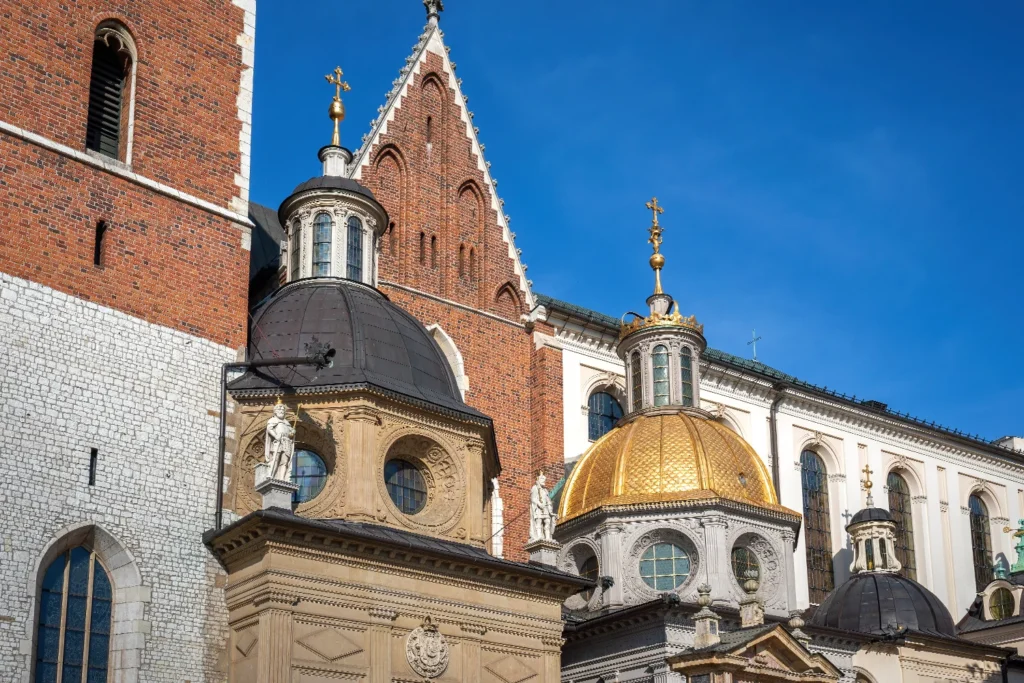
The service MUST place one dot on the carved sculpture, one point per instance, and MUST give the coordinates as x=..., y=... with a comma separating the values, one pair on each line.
x=279, y=445
x=542, y=512
x=427, y=650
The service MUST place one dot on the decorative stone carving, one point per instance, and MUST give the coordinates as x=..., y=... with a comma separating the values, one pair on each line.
x=279, y=444
x=636, y=589
x=427, y=650
x=542, y=512
x=442, y=473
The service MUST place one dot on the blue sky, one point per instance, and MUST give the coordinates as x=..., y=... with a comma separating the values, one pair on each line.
x=843, y=177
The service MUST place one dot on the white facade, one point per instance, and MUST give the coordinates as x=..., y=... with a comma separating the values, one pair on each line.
x=76, y=376
x=942, y=471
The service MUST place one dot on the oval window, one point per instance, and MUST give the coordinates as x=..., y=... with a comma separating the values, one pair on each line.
x=664, y=566
x=309, y=473
x=406, y=486
x=1000, y=604
x=743, y=561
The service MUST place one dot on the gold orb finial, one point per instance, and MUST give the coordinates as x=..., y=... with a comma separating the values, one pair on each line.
x=657, y=259
x=337, y=109
x=867, y=477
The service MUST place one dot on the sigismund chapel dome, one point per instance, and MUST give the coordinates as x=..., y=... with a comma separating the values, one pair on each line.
x=666, y=457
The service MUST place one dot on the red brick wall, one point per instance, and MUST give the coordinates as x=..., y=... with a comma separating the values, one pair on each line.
x=164, y=261
x=187, y=83
x=439, y=192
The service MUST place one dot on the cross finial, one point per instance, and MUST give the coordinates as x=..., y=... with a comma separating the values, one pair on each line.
x=753, y=342
x=655, y=210
x=657, y=260
x=337, y=109
x=336, y=81
x=867, y=477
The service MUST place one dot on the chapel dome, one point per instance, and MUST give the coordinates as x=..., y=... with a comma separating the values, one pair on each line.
x=665, y=457
x=335, y=184
x=377, y=344
x=874, y=602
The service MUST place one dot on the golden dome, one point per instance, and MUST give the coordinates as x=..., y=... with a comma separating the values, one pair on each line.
x=666, y=458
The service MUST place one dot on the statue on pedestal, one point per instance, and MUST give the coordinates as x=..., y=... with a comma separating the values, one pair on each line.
x=280, y=444
x=542, y=512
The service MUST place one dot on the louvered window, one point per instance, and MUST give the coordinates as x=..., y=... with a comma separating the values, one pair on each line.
x=106, y=96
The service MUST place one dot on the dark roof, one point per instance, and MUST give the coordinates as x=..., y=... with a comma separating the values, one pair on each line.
x=874, y=603
x=871, y=515
x=738, y=637
x=265, y=251
x=769, y=373
x=376, y=344
x=404, y=540
x=330, y=182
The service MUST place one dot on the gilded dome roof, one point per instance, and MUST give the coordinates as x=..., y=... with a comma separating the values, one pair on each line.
x=667, y=458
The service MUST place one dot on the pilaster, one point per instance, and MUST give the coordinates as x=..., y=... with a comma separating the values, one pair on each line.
x=379, y=637
x=788, y=540
x=716, y=556
x=610, y=538
x=362, y=451
x=274, y=660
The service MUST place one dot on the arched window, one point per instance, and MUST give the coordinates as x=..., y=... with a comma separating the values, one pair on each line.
x=322, y=228
x=661, y=382
x=433, y=251
x=423, y=249
x=355, y=248
x=817, y=526
x=110, y=92
x=604, y=411
x=1000, y=604
x=686, y=370
x=462, y=260
x=309, y=473
x=430, y=132
x=588, y=570
x=73, y=638
x=899, y=507
x=296, y=249
x=981, y=542
x=392, y=238
x=638, y=380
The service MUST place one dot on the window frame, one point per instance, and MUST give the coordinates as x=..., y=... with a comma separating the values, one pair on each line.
x=637, y=381
x=686, y=394
x=108, y=31
x=679, y=582
x=399, y=505
x=316, y=241
x=594, y=417
x=991, y=600
x=660, y=352
x=354, y=248
x=981, y=532
x=817, y=513
x=900, y=507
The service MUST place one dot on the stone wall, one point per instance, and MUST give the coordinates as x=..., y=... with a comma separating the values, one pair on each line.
x=75, y=376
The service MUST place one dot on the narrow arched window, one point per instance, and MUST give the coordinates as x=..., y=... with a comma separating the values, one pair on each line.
x=686, y=372
x=638, y=380
x=981, y=542
x=423, y=248
x=430, y=132
x=355, y=248
x=462, y=260
x=296, y=248
x=661, y=381
x=392, y=238
x=433, y=251
x=472, y=263
x=73, y=637
x=323, y=226
x=899, y=507
x=109, y=113
x=603, y=411
x=817, y=526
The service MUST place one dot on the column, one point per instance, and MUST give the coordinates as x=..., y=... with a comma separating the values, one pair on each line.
x=552, y=659
x=362, y=450
x=788, y=539
x=610, y=562
x=716, y=556
x=470, y=646
x=378, y=637
x=274, y=659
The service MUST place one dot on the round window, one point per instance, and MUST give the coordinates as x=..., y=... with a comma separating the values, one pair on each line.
x=309, y=473
x=406, y=486
x=664, y=566
x=743, y=561
x=1000, y=603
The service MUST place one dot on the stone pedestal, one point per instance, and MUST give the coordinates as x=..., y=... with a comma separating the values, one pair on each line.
x=543, y=552
x=276, y=493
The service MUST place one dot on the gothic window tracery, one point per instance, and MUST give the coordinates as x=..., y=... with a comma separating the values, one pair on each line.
x=818, y=526
x=322, y=227
x=686, y=372
x=603, y=412
x=981, y=541
x=661, y=380
x=355, y=248
x=899, y=507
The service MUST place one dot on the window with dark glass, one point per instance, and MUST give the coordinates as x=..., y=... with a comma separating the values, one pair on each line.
x=110, y=69
x=661, y=383
x=295, y=248
x=322, y=228
x=73, y=637
x=817, y=526
x=406, y=486
x=355, y=249
x=981, y=542
x=1000, y=603
x=664, y=566
x=638, y=380
x=604, y=411
x=899, y=507
x=686, y=372
x=309, y=473
x=744, y=560
x=588, y=570
x=462, y=260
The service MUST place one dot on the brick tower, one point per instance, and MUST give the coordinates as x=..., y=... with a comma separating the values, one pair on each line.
x=124, y=162
x=449, y=258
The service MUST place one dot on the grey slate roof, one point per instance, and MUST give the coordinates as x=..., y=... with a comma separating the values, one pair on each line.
x=376, y=344
x=738, y=637
x=871, y=515
x=265, y=251
x=874, y=603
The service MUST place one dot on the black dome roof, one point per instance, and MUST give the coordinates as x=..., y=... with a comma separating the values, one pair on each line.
x=871, y=602
x=871, y=515
x=376, y=343
x=328, y=182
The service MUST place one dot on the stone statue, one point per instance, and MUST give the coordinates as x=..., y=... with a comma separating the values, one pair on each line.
x=542, y=512
x=280, y=445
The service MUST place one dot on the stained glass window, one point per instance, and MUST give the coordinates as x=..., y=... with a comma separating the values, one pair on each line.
x=355, y=249
x=817, y=527
x=73, y=638
x=588, y=570
x=981, y=542
x=638, y=380
x=664, y=566
x=322, y=228
x=604, y=411
x=661, y=383
x=1000, y=603
x=743, y=560
x=686, y=370
x=899, y=507
x=406, y=486
x=309, y=473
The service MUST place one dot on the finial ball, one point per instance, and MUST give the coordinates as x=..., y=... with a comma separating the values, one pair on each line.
x=657, y=261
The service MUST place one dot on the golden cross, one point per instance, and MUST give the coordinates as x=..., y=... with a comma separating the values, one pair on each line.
x=655, y=229
x=867, y=476
x=336, y=81
x=655, y=209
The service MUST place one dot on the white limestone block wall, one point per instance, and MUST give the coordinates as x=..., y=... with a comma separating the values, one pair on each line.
x=76, y=376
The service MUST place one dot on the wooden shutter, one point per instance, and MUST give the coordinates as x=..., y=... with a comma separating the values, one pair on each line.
x=106, y=89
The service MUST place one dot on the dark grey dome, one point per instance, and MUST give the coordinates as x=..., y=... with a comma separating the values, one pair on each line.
x=376, y=344
x=871, y=515
x=328, y=182
x=873, y=602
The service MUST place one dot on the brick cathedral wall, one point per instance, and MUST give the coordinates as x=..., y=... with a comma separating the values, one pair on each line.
x=547, y=417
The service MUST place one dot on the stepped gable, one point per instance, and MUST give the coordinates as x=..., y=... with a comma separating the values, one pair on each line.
x=423, y=146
